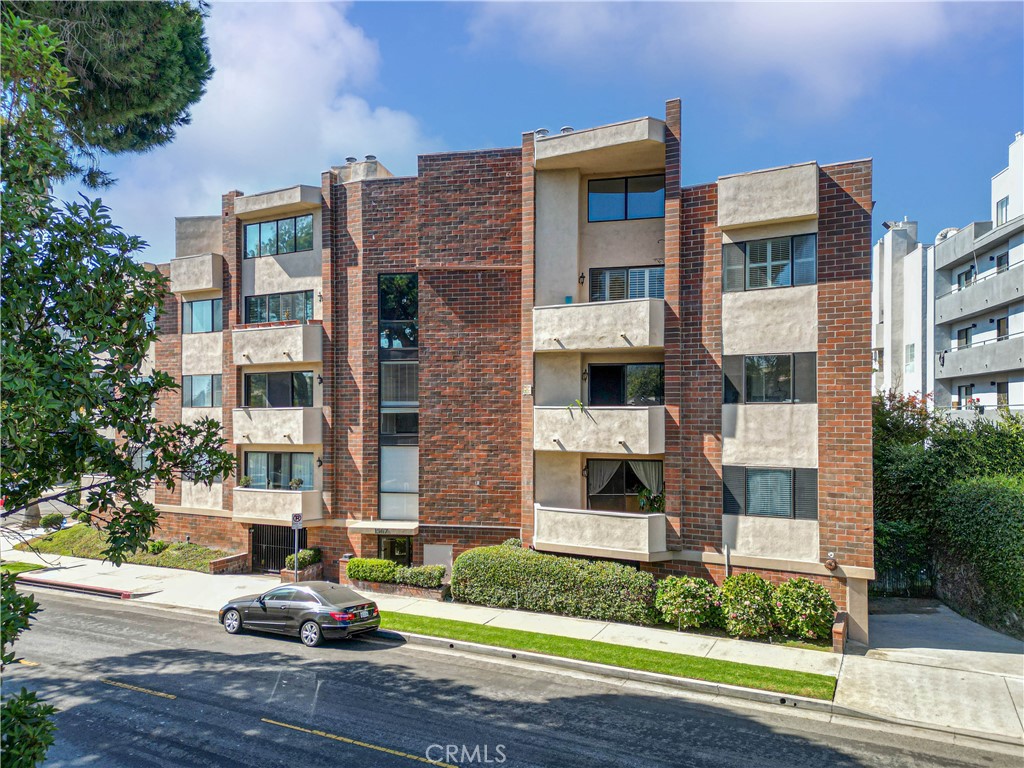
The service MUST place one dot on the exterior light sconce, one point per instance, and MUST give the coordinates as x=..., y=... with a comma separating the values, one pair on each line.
x=585, y=376
x=585, y=473
x=583, y=278
x=319, y=461
x=319, y=379
x=320, y=296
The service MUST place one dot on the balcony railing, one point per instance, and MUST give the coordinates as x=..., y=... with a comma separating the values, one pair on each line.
x=601, y=325
x=291, y=342
x=625, y=430
x=622, y=535
x=985, y=293
x=277, y=426
x=275, y=507
x=1003, y=353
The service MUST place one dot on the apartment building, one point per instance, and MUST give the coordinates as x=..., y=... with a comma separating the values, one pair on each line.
x=949, y=317
x=553, y=342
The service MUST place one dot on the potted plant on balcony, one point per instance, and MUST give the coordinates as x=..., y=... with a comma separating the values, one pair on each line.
x=651, y=502
x=295, y=483
x=244, y=481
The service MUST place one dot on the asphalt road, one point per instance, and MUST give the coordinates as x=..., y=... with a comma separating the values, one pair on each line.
x=261, y=700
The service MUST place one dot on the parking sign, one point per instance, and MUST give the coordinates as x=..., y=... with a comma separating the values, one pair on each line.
x=297, y=520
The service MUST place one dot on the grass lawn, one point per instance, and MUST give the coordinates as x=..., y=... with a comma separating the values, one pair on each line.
x=20, y=567
x=713, y=670
x=85, y=541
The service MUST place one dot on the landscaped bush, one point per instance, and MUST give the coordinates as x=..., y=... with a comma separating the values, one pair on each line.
x=52, y=522
x=804, y=609
x=512, y=577
x=689, y=603
x=307, y=557
x=748, y=603
x=157, y=546
x=429, y=576
x=371, y=569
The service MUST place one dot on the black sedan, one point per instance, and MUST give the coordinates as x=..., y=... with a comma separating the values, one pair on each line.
x=313, y=610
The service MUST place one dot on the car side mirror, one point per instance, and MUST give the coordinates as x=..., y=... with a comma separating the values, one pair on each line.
x=262, y=599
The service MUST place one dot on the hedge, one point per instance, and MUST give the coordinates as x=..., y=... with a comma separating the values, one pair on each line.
x=428, y=576
x=371, y=569
x=307, y=557
x=979, y=551
x=512, y=577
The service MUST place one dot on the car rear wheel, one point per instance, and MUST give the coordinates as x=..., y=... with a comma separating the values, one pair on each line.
x=310, y=634
x=232, y=622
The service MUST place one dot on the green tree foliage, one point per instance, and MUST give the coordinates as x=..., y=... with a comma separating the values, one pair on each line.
x=138, y=67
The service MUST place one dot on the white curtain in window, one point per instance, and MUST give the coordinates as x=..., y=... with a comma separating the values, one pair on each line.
x=650, y=473
x=599, y=474
x=302, y=468
x=256, y=467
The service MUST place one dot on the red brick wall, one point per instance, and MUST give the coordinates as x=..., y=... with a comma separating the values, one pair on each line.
x=231, y=303
x=168, y=360
x=845, y=516
x=334, y=543
x=460, y=538
x=527, y=276
x=216, y=532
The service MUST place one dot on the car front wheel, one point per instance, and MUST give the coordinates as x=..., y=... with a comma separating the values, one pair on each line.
x=232, y=622
x=310, y=634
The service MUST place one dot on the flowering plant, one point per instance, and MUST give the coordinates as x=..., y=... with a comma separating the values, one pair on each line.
x=688, y=602
x=748, y=602
x=805, y=609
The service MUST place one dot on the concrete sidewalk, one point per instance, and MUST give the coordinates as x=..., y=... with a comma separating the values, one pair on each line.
x=948, y=694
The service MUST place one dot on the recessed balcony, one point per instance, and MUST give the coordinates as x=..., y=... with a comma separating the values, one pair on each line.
x=275, y=507
x=192, y=274
x=621, y=535
x=277, y=426
x=293, y=343
x=601, y=325
x=619, y=430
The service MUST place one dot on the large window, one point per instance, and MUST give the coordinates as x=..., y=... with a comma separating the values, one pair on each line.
x=770, y=378
x=274, y=307
x=1003, y=211
x=290, y=389
x=278, y=470
x=615, y=486
x=770, y=492
x=201, y=391
x=636, y=197
x=619, y=283
x=202, y=316
x=627, y=384
x=399, y=309
x=269, y=238
x=778, y=262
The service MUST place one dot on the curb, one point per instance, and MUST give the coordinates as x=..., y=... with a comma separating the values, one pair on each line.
x=86, y=589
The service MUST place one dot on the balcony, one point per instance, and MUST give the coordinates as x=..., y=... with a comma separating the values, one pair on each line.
x=275, y=507
x=985, y=357
x=601, y=325
x=294, y=343
x=772, y=196
x=625, y=430
x=191, y=274
x=992, y=290
x=621, y=535
x=277, y=426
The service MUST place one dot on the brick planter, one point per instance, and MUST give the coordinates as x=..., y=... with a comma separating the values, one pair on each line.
x=240, y=563
x=402, y=590
x=315, y=572
x=840, y=631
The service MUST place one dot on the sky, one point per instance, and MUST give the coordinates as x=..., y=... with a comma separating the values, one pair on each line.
x=933, y=92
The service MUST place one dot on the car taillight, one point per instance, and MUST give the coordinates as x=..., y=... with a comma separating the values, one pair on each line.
x=342, y=616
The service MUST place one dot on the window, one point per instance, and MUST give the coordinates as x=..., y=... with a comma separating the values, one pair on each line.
x=202, y=316
x=963, y=337
x=628, y=384
x=1003, y=262
x=964, y=394
x=269, y=238
x=965, y=278
x=1003, y=211
x=615, y=486
x=399, y=482
x=201, y=391
x=151, y=319
x=1002, y=328
x=277, y=470
x=778, y=262
x=770, y=492
x=399, y=426
x=1002, y=393
x=399, y=309
x=770, y=378
x=275, y=307
x=909, y=358
x=290, y=389
x=395, y=548
x=636, y=197
x=398, y=384
x=627, y=283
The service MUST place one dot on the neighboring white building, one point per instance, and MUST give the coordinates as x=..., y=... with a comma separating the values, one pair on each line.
x=949, y=318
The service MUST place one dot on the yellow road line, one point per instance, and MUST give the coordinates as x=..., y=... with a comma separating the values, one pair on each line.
x=357, y=743
x=28, y=663
x=138, y=689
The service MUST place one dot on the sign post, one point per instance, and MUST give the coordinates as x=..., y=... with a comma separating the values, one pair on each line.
x=296, y=527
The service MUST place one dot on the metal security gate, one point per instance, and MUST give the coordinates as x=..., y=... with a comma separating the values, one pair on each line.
x=271, y=544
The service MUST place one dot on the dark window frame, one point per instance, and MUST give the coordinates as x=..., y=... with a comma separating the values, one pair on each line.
x=277, y=236
x=216, y=315
x=389, y=322
x=188, y=390
x=247, y=388
x=736, y=258
x=803, y=492
x=803, y=377
x=595, y=272
x=307, y=306
x=1004, y=322
x=625, y=384
x=291, y=474
x=625, y=496
x=625, y=195
x=385, y=555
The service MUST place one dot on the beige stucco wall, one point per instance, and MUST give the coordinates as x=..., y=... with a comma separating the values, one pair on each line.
x=275, y=507
x=149, y=361
x=192, y=415
x=770, y=321
x=287, y=272
x=197, y=234
x=639, y=243
x=620, y=147
x=282, y=344
x=279, y=202
x=557, y=237
x=557, y=379
x=617, y=325
x=769, y=537
x=204, y=272
x=780, y=194
x=202, y=353
x=278, y=426
x=558, y=480
x=592, y=530
x=636, y=431
x=770, y=435
x=200, y=496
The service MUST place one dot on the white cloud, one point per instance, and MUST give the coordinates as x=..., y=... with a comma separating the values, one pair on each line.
x=282, y=107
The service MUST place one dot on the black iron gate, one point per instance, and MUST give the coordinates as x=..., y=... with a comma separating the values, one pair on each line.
x=271, y=544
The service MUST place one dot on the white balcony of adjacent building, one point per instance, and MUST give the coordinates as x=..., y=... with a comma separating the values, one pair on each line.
x=1004, y=353
x=276, y=506
x=195, y=274
x=277, y=426
x=620, y=535
x=638, y=430
x=629, y=324
x=988, y=291
x=293, y=342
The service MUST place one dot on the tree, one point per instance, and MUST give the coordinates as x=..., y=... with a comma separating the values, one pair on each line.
x=74, y=336
x=138, y=68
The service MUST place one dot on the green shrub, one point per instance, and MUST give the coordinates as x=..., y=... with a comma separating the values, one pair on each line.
x=156, y=546
x=512, y=543
x=307, y=557
x=430, y=576
x=82, y=517
x=748, y=604
x=509, y=577
x=371, y=569
x=804, y=609
x=687, y=602
x=52, y=522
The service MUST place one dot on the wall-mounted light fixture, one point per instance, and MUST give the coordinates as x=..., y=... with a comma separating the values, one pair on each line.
x=585, y=376
x=583, y=278
x=319, y=379
x=585, y=473
x=319, y=461
x=320, y=296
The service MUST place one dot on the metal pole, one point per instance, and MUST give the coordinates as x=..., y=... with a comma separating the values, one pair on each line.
x=296, y=554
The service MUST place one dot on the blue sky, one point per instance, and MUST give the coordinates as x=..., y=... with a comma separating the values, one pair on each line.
x=934, y=92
